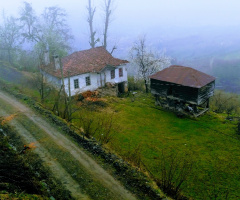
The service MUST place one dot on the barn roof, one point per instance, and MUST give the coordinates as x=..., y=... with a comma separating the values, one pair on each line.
x=182, y=75
x=86, y=61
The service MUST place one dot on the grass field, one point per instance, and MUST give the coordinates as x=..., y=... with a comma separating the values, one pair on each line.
x=210, y=141
x=144, y=132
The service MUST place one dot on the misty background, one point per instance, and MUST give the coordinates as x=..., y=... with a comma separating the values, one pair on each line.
x=203, y=34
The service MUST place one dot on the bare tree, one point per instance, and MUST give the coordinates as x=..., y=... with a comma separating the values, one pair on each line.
x=108, y=8
x=146, y=61
x=91, y=12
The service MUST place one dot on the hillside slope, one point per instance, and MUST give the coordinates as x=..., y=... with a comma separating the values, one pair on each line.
x=78, y=172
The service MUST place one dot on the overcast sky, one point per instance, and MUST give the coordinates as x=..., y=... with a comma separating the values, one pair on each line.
x=142, y=16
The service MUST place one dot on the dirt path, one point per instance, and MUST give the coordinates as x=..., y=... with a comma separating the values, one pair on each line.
x=87, y=163
x=55, y=167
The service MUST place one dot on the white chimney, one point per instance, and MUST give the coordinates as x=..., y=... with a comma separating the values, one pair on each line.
x=56, y=62
x=46, y=57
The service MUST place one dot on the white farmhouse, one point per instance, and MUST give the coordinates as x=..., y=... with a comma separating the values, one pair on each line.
x=87, y=70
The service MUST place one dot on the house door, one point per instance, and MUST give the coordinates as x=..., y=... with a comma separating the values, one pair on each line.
x=121, y=87
x=103, y=79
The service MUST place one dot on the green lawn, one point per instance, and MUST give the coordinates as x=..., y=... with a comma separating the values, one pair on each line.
x=210, y=139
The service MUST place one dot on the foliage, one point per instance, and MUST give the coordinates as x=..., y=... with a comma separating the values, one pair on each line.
x=135, y=84
x=48, y=32
x=225, y=102
x=10, y=39
x=27, y=61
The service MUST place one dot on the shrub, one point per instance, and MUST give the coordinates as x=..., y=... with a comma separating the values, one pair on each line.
x=225, y=102
x=134, y=156
x=103, y=126
x=174, y=170
x=135, y=84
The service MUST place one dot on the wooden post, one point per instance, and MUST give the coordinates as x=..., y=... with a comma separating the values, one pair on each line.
x=208, y=103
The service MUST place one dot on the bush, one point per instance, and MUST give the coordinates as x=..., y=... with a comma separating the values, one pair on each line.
x=135, y=84
x=174, y=170
x=103, y=126
x=134, y=156
x=223, y=102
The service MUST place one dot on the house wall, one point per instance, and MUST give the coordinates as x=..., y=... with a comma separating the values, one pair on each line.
x=97, y=80
x=52, y=79
x=187, y=94
x=82, y=83
x=117, y=79
x=206, y=92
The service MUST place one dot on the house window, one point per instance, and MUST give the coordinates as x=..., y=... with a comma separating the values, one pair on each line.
x=120, y=72
x=112, y=74
x=88, y=81
x=76, y=83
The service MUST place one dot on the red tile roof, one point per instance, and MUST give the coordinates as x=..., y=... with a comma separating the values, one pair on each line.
x=185, y=76
x=86, y=61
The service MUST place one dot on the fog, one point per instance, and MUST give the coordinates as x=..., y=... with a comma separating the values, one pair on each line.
x=161, y=19
x=193, y=33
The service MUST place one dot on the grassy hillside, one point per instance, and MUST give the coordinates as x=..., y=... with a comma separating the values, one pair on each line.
x=147, y=133
x=151, y=138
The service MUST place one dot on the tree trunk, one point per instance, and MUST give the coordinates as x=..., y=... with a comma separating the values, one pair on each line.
x=107, y=18
x=91, y=12
x=42, y=89
x=146, y=85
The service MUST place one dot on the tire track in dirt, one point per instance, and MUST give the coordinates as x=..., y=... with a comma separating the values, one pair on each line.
x=55, y=167
x=84, y=160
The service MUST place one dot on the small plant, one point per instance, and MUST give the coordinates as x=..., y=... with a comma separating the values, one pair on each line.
x=103, y=126
x=89, y=126
x=174, y=170
x=134, y=156
x=108, y=129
